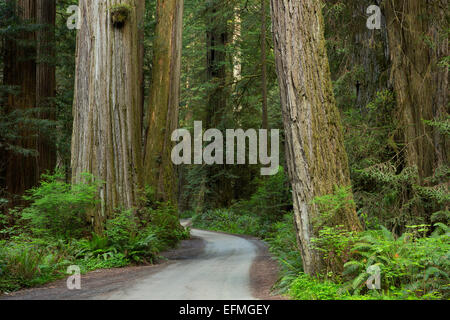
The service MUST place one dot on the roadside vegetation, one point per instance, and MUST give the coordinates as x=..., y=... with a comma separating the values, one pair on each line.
x=414, y=265
x=52, y=233
x=411, y=250
x=402, y=207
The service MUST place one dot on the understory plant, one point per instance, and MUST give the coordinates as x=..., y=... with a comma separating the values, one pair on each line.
x=57, y=208
x=412, y=265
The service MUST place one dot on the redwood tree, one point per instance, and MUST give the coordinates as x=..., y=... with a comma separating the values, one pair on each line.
x=418, y=41
x=45, y=81
x=28, y=67
x=106, y=139
x=164, y=100
x=315, y=153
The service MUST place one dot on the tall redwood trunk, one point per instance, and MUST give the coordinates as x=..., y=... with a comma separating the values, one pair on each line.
x=20, y=71
x=315, y=152
x=164, y=100
x=46, y=81
x=418, y=41
x=217, y=73
x=265, y=120
x=29, y=68
x=106, y=139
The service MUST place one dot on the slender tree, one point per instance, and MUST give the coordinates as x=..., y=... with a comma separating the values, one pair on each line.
x=217, y=73
x=217, y=35
x=164, y=99
x=45, y=81
x=107, y=133
x=315, y=154
x=265, y=120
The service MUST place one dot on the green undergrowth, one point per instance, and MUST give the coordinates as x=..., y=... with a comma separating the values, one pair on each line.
x=412, y=266
x=50, y=235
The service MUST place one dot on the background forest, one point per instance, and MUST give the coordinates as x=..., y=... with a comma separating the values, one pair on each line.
x=390, y=87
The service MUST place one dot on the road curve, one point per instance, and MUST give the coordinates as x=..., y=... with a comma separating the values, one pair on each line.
x=221, y=272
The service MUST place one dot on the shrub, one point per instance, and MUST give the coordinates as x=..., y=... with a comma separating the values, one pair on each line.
x=96, y=247
x=410, y=265
x=227, y=220
x=58, y=208
x=143, y=248
x=163, y=221
x=305, y=287
x=57, y=219
x=333, y=241
x=121, y=228
x=331, y=206
x=25, y=263
x=334, y=244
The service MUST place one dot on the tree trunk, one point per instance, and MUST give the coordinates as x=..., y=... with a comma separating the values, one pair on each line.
x=315, y=151
x=370, y=51
x=106, y=139
x=45, y=81
x=265, y=119
x=216, y=40
x=164, y=100
x=217, y=37
x=417, y=41
x=30, y=69
x=20, y=71
x=237, y=56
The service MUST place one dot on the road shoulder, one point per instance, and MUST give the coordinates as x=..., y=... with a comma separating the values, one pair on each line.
x=103, y=281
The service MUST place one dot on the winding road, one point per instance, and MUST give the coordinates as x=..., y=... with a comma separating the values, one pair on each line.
x=210, y=266
x=221, y=272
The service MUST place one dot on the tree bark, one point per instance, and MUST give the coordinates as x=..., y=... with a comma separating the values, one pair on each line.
x=265, y=117
x=46, y=81
x=217, y=37
x=164, y=100
x=216, y=40
x=20, y=71
x=416, y=33
x=28, y=68
x=237, y=56
x=107, y=133
x=315, y=153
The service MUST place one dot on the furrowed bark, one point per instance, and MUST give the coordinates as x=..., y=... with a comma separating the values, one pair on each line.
x=164, y=100
x=20, y=71
x=106, y=139
x=217, y=37
x=28, y=67
x=417, y=41
x=315, y=151
x=265, y=119
x=45, y=81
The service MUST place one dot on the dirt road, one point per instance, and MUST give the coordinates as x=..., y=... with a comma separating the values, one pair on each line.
x=211, y=266
x=222, y=271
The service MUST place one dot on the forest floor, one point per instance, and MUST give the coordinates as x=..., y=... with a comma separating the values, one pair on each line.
x=210, y=265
